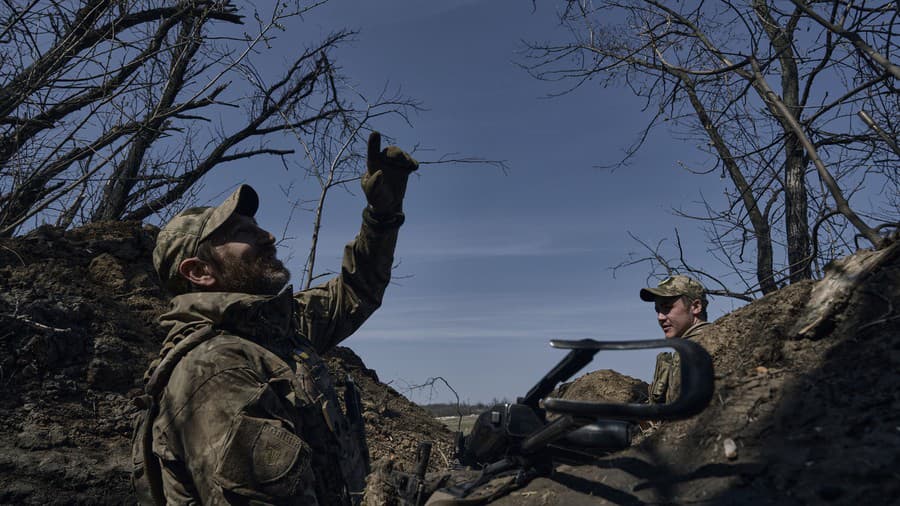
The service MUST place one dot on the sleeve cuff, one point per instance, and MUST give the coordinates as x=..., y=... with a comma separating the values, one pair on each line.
x=382, y=222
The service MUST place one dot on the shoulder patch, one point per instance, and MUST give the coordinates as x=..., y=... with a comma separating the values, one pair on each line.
x=261, y=457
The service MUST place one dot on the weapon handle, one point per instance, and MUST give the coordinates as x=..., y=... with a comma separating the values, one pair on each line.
x=573, y=362
x=696, y=383
x=551, y=432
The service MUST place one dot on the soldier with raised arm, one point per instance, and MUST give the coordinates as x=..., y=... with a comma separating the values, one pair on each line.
x=240, y=406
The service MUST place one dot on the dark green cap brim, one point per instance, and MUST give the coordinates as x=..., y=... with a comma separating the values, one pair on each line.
x=650, y=294
x=243, y=201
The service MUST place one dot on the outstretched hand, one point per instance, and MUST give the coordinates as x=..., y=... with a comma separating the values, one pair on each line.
x=387, y=171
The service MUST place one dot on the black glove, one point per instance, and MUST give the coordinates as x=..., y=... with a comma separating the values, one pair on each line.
x=384, y=182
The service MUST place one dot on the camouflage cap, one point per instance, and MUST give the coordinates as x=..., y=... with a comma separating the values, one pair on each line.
x=181, y=237
x=674, y=286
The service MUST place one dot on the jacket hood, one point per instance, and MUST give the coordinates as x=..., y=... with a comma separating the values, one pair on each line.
x=241, y=313
x=262, y=318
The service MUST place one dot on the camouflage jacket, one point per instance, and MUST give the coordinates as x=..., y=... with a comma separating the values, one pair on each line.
x=251, y=414
x=666, y=383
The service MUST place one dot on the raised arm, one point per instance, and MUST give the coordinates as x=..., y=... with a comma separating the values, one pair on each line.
x=331, y=312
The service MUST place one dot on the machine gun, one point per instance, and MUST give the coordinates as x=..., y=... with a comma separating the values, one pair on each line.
x=520, y=438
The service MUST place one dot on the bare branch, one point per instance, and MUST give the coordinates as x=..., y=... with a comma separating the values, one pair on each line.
x=892, y=143
x=836, y=193
x=853, y=37
x=767, y=103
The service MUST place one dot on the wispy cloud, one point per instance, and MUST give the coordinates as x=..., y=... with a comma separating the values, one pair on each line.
x=506, y=316
x=497, y=238
x=454, y=249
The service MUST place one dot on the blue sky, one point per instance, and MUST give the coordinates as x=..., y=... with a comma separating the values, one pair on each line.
x=493, y=265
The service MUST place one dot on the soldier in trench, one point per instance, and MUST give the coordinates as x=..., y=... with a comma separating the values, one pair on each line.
x=240, y=406
x=680, y=303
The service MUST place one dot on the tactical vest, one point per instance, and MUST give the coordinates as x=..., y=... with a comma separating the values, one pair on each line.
x=339, y=442
x=666, y=384
x=340, y=458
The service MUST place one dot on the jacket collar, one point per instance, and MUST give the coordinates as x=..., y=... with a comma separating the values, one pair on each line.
x=252, y=316
x=694, y=329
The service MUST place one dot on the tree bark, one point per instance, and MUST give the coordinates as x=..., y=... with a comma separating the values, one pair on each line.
x=795, y=192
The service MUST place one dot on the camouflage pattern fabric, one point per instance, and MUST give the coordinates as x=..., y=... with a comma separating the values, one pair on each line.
x=250, y=415
x=666, y=385
x=675, y=286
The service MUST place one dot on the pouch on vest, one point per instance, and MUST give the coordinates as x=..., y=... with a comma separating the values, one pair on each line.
x=660, y=378
x=263, y=461
x=353, y=458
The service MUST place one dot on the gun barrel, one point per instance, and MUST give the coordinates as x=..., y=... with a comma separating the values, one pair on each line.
x=353, y=411
x=352, y=401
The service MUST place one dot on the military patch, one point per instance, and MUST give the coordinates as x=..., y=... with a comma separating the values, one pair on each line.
x=275, y=453
x=263, y=456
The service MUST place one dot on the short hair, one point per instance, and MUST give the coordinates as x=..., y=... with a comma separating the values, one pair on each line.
x=703, y=303
x=206, y=251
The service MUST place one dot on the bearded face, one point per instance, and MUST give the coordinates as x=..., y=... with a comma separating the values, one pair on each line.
x=242, y=258
x=263, y=275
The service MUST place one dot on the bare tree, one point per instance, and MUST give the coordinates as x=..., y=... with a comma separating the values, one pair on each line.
x=772, y=90
x=116, y=110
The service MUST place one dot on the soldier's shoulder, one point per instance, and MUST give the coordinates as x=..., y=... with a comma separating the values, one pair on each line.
x=243, y=361
x=698, y=329
x=222, y=352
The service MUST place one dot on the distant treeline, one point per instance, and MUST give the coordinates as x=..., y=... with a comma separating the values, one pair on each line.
x=453, y=409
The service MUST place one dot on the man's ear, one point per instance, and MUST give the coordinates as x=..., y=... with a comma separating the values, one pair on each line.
x=696, y=307
x=198, y=272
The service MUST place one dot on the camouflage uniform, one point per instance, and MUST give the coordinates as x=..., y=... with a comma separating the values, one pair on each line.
x=666, y=384
x=242, y=409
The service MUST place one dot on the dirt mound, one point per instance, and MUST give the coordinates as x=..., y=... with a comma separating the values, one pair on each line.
x=394, y=425
x=807, y=389
x=604, y=385
x=78, y=328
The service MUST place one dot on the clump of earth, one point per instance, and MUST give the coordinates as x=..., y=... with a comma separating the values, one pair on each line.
x=807, y=393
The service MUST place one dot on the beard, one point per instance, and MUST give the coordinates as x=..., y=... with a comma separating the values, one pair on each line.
x=265, y=275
